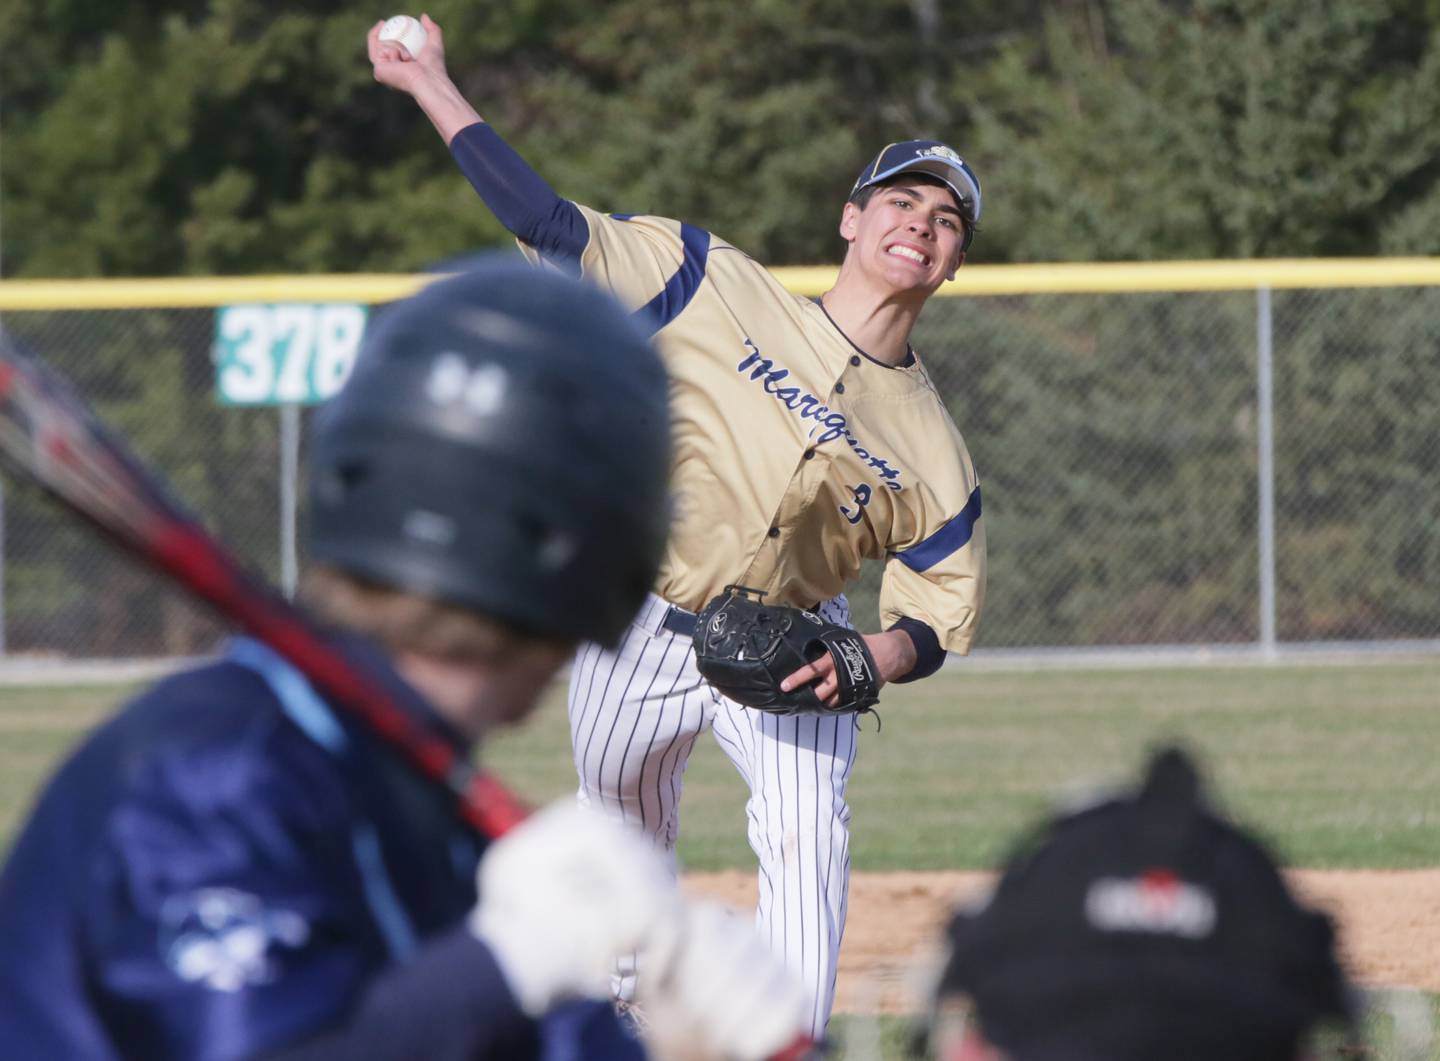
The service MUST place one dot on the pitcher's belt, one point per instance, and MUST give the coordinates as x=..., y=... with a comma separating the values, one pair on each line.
x=678, y=621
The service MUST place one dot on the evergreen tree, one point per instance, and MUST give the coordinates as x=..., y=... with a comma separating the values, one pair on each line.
x=1144, y=129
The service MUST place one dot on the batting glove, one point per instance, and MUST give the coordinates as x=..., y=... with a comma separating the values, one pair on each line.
x=561, y=897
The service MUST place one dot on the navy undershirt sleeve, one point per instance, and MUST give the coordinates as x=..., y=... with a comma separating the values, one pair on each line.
x=450, y=1003
x=928, y=653
x=519, y=197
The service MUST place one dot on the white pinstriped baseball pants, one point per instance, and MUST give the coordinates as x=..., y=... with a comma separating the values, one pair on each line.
x=634, y=716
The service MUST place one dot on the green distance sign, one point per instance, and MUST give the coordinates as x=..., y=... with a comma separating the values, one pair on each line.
x=285, y=354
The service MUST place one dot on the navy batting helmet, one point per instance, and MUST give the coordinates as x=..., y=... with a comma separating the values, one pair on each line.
x=502, y=445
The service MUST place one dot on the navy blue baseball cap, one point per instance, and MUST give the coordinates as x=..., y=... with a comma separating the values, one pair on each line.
x=933, y=158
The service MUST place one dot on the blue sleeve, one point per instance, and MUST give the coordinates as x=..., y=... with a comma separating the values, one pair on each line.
x=519, y=197
x=228, y=914
x=451, y=1003
x=928, y=653
x=234, y=923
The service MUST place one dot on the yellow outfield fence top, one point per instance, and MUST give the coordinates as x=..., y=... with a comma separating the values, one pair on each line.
x=186, y=291
x=1128, y=277
x=1067, y=278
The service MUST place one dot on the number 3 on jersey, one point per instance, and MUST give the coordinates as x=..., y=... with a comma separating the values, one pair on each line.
x=861, y=494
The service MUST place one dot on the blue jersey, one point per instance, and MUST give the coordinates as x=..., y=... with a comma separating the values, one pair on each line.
x=230, y=868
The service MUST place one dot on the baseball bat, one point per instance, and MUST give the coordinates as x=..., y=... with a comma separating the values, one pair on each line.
x=51, y=438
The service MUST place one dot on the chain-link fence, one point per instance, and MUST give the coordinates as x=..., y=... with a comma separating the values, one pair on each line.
x=149, y=374
x=1120, y=440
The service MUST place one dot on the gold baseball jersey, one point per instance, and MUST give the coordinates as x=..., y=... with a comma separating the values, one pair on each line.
x=796, y=456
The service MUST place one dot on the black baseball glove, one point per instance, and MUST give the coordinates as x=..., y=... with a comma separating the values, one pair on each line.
x=746, y=648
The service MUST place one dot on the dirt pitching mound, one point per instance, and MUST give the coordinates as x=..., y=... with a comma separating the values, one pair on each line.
x=1389, y=924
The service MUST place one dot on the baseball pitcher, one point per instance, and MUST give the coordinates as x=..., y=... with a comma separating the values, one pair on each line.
x=808, y=438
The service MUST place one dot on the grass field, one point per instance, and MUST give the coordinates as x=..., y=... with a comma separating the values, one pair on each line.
x=1335, y=764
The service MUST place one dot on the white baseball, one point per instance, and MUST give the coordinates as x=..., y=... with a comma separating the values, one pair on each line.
x=407, y=31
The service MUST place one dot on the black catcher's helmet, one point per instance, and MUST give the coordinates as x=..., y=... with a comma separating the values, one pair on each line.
x=502, y=445
x=1147, y=926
